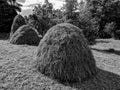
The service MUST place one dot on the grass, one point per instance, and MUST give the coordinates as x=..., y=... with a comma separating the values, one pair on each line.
x=17, y=71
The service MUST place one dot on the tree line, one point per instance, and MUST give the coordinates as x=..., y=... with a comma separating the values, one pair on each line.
x=97, y=18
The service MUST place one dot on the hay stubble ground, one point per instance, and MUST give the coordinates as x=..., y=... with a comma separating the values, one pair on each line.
x=17, y=71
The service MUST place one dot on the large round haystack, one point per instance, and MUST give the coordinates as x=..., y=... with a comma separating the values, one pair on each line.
x=25, y=35
x=63, y=54
x=18, y=21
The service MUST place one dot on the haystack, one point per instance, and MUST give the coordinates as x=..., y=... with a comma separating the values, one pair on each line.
x=18, y=21
x=63, y=54
x=25, y=35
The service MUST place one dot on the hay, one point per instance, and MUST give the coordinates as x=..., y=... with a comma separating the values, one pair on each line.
x=18, y=21
x=25, y=35
x=63, y=54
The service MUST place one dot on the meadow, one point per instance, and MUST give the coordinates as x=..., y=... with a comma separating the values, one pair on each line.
x=17, y=71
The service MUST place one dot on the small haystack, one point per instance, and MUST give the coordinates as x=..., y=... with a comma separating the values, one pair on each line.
x=25, y=35
x=63, y=54
x=18, y=21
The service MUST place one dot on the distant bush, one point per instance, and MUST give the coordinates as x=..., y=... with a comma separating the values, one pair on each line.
x=26, y=35
x=18, y=21
x=63, y=54
x=110, y=29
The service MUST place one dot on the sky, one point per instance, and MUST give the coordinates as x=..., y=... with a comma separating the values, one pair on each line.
x=56, y=3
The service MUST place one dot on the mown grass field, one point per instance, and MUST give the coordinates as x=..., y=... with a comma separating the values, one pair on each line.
x=17, y=71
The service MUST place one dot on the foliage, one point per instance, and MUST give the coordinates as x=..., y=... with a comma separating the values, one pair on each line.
x=106, y=11
x=89, y=25
x=70, y=7
x=41, y=18
x=7, y=14
x=110, y=28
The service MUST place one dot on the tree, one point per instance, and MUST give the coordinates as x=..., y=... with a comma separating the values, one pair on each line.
x=8, y=10
x=41, y=17
x=15, y=5
x=106, y=11
x=88, y=24
x=70, y=7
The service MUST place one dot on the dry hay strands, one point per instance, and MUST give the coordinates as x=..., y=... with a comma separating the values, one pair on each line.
x=17, y=22
x=63, y=54
x=25, y=35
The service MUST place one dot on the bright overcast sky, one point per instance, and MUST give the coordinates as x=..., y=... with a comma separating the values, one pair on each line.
x=56, y=3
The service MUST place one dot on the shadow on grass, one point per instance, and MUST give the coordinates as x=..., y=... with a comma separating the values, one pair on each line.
x=104, y=80
x=4, y=36
x=109, y=51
